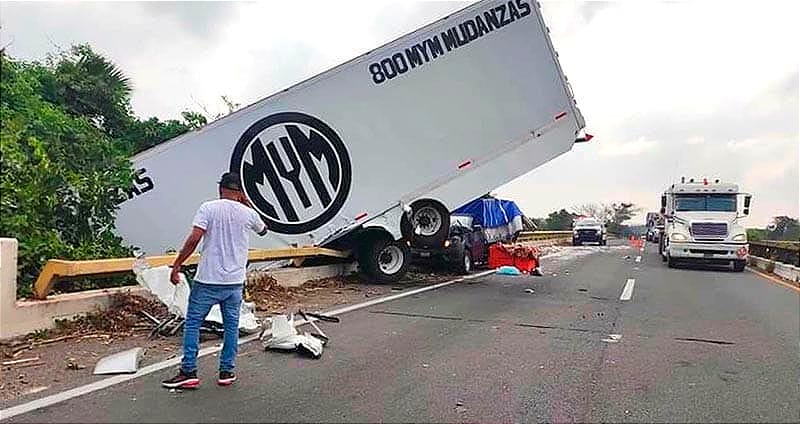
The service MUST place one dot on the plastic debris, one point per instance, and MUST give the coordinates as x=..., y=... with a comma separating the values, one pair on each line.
x=613, y=338
x=284, y=336
x=176, y=296
x=125, y=362
x=529, y=291
x=508, y=270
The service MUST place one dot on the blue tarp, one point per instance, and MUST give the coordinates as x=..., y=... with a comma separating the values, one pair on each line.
x=490, y=213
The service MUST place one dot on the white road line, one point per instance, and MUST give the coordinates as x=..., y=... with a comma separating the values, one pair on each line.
x=627, y=291
x=117, y=379
x=638, y=259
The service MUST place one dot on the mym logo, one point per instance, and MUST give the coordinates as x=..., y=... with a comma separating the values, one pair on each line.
x=295, y=170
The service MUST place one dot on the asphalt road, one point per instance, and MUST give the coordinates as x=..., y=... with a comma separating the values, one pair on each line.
x=689, y=345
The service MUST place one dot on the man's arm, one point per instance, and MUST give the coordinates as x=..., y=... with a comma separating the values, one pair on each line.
x=188, y=248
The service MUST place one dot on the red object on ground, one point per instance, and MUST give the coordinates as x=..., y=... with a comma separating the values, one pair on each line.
x=525, y=258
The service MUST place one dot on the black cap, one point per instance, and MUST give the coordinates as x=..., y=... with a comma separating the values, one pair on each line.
x=230, y=180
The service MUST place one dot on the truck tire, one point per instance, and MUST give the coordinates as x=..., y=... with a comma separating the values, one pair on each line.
x=428, y=225
x=383, y=259
x=661, y=249
x=576, y=242
x=738, y=265
x=464, y=266
x=671, y=263
x=603, y=242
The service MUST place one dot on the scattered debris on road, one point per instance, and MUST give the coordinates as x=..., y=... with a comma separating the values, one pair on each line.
x=124, y=362
x=72, y=364
x=284, y=336
x=508, y=270
x=529, y=291
x=20, y=361
x=613, y=338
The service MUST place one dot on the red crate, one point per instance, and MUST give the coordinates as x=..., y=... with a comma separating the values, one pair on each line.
x=502, y=255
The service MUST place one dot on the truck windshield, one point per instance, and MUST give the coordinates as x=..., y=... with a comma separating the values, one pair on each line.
x=706, y=202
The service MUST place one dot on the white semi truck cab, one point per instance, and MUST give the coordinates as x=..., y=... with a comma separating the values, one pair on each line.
x=703, y=223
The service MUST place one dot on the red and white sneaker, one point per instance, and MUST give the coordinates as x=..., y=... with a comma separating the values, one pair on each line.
x=182, y=381
x=226, y=378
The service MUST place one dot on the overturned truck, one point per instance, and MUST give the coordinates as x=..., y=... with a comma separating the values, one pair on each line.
x=370, y=156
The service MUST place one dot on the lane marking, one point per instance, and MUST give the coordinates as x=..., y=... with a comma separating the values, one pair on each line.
x=627, y=291
x=638, y=259
x=774, y=279
x=117, y=379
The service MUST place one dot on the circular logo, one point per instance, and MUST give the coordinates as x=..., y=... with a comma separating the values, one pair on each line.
x=295, y=170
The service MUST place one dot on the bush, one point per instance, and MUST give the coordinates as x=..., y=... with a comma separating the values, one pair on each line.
x=61, y=177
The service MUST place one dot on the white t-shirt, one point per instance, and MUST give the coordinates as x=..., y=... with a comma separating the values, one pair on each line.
x=223, y=255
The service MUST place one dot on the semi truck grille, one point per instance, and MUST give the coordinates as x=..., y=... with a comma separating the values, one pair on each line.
x=715, y=230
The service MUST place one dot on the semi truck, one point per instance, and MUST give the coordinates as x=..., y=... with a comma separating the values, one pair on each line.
x=371, y=155
x=703, y=223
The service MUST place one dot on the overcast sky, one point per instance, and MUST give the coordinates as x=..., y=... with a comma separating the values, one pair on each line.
x=669, y=89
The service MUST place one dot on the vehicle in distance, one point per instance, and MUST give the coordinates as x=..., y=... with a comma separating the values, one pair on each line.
x=655, y=225
x=703, y=223
x=588, y=230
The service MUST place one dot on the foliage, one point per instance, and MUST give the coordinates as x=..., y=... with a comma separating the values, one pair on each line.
x=756, y=234
x=613, y=214
x=558, y=220
x=783, y=228
x=61, y=179
x=67, y=131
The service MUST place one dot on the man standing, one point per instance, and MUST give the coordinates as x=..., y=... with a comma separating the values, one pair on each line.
x=223, y=225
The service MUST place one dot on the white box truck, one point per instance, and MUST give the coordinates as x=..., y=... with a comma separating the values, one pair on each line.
x=371, y=155
x=703, y=223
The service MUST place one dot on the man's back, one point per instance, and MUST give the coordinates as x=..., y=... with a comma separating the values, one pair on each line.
x=226, y=240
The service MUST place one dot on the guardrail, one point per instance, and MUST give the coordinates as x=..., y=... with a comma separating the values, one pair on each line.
x=56, y=269
x=787, y=252
x=544, y=235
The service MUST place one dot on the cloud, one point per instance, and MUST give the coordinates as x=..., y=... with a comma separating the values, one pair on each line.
x=747, y=143
x=649, y=89
x=695, y=140
x=628, y=148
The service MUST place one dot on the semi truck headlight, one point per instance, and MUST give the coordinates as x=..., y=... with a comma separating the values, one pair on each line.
x=446, y=243
x=678, y=237
x=740, y=237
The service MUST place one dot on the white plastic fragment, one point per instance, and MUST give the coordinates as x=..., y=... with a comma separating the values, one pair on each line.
x=284, y=337
x=125, y=362
x=176, y=296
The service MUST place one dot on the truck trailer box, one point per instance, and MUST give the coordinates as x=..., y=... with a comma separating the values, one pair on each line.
x=372, y=154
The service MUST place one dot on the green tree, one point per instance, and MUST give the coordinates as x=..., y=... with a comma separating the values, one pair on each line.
x=61, y=177
x=87, y=84
x=618, y=214
x=559, y=220
x=784, y=228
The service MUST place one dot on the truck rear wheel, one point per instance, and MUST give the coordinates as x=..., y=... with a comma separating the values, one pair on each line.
x=428, y=225
x=384, y=260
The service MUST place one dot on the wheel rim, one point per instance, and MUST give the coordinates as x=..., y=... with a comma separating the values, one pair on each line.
x=428, y=220
x=467, y=262
x=390, y=260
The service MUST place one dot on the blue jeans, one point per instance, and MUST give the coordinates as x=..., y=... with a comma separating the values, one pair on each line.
x=201, y=298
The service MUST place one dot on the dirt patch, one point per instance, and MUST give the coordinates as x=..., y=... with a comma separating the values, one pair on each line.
x=65, y=356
